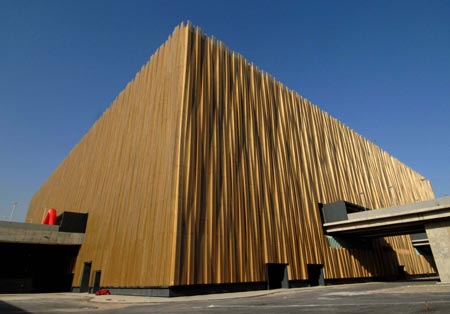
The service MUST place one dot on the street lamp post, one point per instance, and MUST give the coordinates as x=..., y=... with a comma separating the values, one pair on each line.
x=14, y=205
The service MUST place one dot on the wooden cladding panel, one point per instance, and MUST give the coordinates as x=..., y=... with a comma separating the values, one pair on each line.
x=124, y=173
x=257, y=159
x=205, y=168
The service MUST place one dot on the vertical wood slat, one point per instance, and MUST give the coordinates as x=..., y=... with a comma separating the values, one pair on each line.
x=205, y=168
x=123, y=174
x=257, y=160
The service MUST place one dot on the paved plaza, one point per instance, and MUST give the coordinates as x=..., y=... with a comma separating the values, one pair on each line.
x=378, y=297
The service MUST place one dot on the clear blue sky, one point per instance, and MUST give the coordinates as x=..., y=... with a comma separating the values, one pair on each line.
x=381, y=67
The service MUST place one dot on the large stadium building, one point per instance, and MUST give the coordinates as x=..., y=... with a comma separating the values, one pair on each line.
x=206, y=173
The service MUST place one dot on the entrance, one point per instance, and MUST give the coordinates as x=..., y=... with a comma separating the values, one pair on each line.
x=315, y=275
x=97, y=275
x=85, y=277
x=41, y=268
x=277, y=276
x=401, y=272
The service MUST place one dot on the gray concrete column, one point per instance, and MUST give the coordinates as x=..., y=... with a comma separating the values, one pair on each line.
x=438, y=234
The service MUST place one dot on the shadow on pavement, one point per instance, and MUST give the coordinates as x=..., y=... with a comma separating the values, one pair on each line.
x=10, y=309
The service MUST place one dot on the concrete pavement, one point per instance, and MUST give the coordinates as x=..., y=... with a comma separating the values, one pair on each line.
x=377, y=297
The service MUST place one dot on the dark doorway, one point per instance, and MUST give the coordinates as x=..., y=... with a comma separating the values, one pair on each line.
x=315, y=275
x=277, y=276
x=401, y=272
x=97, y=275
x=85, y=277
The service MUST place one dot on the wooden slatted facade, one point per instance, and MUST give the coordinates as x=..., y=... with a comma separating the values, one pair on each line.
x=205, y=168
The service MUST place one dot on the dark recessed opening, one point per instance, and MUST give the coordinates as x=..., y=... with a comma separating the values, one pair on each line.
x=315, y=275
x=97, y=275
x=85, y=277
x=277, y=276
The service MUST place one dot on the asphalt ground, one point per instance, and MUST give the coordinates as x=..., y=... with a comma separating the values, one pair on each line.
x=377, y=297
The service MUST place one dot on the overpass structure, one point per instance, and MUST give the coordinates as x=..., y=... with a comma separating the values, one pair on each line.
x=39, y=258
x=433, y=217
x=26, y=233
